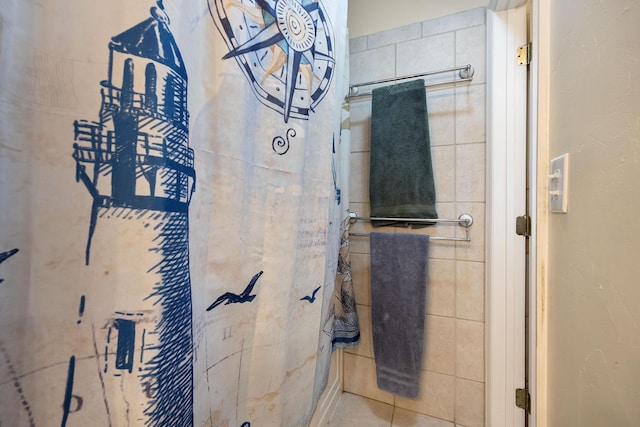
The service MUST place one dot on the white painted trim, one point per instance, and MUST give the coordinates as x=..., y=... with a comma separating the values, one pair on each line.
x=331, y=396
x=539, y=137
x=506, y=197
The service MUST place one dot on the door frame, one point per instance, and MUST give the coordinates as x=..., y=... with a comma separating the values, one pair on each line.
x=539, y=154
x=507, y=111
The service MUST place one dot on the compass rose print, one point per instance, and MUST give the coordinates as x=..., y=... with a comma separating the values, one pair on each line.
x=283, y=47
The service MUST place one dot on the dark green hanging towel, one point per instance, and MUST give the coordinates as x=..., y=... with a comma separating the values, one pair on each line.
x=401, y=176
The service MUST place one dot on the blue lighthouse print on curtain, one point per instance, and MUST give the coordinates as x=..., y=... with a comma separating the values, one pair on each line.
x=136, y=163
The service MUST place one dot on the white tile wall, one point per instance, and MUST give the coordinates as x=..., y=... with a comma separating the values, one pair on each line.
x=359, y=179
x=357, y=44
x=470, y=350
x=365, y=348
x=394, y=36
x=360, y=119
x=474, y=250
x=444, y=249
x=426, y=54
x=442, y=118
x=440, y=342
x=470, y=290
x=455, y=22
x=469, y=403
x=360, y=275
x=441, y=296
x=470, y=49
x=470, y=172
x=360, y=64
x=361, y=378
x=436, y=397
x=452, y=379
x=444, y=162
x=470, y=113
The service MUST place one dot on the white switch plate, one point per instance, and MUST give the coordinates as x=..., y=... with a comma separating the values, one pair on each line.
x=559, y=184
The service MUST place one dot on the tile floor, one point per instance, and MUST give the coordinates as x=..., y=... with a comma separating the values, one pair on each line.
x=358, y=411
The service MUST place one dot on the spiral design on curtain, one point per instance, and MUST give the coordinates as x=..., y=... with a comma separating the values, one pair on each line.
x=281, y=145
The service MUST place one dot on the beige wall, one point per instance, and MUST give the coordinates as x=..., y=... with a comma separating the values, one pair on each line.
x=368, y=17
x=593, y=302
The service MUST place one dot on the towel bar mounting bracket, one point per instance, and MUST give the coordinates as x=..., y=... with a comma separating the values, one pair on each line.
x=465, y=220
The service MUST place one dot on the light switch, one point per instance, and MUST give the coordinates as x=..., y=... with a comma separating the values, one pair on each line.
x=559, y=184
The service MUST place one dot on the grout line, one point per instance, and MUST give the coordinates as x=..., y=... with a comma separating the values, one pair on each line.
x=393, y=412
x=395, y=405
x=455, y=251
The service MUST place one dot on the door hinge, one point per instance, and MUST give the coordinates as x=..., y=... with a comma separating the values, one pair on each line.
x=524, y=54
x=523, y=225
x=523, y=399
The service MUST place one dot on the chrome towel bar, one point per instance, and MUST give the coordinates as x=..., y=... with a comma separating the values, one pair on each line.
x=464, y=220
x=465, y=74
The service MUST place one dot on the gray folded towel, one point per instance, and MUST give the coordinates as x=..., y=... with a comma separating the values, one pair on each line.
x=401, y=174
x=399, y=274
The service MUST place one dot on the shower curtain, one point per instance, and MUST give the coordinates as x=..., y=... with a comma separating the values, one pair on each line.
x=170, y=210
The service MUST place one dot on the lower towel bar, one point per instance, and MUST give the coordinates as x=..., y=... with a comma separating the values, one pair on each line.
x=464, y=220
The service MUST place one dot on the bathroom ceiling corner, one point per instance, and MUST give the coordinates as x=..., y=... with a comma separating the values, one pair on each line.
x=505, y=4
x=372, y=16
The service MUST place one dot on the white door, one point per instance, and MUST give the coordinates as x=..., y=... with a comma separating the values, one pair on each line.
x=506, y=200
